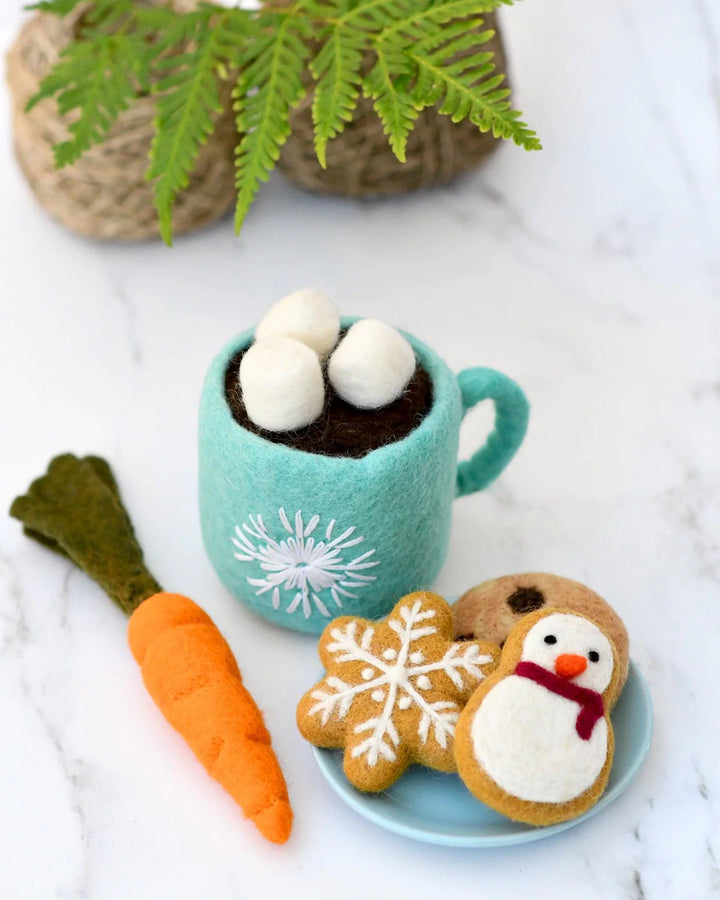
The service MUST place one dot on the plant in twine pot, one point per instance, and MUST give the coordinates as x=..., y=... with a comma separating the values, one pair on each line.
x=359, y=161
x=346, y=78
x=100, y=189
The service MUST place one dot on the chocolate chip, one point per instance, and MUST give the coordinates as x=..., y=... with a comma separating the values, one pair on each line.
x=525, y=600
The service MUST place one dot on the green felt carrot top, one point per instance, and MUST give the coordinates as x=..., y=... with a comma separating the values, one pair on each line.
x=75, y=509
x=187, y=666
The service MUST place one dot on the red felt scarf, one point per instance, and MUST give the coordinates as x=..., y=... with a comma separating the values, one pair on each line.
x=591, y=703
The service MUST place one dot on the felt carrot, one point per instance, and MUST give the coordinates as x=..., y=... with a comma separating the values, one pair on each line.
x=187, y=666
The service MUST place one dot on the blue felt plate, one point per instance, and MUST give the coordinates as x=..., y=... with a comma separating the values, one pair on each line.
x=436, y=808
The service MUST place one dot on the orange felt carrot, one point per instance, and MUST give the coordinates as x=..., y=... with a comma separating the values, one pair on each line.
x=187, y=666
x=191, y=674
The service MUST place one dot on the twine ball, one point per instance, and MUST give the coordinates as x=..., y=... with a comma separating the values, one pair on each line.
x=105, y=194
x=306, y=315
x=372, y=365
x=282, y=384
x=361, y=164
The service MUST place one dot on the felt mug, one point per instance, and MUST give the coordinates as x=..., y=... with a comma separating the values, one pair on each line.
x=301, y=538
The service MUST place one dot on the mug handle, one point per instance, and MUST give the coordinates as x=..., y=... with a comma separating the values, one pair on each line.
x=511, y=419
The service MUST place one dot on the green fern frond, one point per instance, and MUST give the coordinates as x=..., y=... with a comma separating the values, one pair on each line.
x=372, y=15
x=110, y=12
x=56, y=7
x=336, y=69
x=423, y=19
x=270, y=85
x=188, y=102
x=386, y=85
x=454, y=48
x=159, y=22
x=98, y=79
x=451, y=72
x=405, y=55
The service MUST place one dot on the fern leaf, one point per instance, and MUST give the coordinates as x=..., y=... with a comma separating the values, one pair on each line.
x=372, y=15
x=56, y=7
x=338, y=64
x=425, y=53
x=455, y=46
x=187, y=106
x=424, y=18
x=337, y=71
x=386, y=85
x=96, y=78
x=270, y=85
x=110, y=12
x=452, y=73
x=99, y=12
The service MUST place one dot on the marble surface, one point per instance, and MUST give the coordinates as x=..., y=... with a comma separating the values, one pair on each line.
x=589, y=273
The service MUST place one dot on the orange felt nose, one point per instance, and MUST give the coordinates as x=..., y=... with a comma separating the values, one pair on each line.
x=570, y=664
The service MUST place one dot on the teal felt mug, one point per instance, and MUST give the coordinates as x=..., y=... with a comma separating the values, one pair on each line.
x=301, y=538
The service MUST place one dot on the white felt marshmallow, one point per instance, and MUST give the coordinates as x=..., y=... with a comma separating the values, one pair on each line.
x=306, y=315
x=372, y=365
x=282, y=384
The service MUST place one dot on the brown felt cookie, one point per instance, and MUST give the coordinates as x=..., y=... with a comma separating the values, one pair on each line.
x=393, y=690
x=490, y=610
x=535, y=741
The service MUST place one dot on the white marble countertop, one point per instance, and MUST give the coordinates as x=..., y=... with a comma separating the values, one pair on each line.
x=590, y=274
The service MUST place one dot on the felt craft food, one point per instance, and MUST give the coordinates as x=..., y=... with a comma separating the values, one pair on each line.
x=306, y=315
x=393, y=690
x=490, y=610
x=372, y=365
x=305, y=525
x=535, y=741
x=187, y=666
x=282, y=384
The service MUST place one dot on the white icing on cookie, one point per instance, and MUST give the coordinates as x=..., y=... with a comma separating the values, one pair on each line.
x=573, y=635
x=399, y=680
x=524, y=737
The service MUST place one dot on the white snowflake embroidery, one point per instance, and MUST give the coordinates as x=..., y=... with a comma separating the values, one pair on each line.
x=397, y=680
x=303, y=565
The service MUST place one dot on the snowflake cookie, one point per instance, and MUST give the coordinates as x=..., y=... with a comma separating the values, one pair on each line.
x=393, y=690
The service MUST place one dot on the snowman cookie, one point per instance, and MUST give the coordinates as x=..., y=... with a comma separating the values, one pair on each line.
x=393, y=690
x=535, y=741
x=489, y=611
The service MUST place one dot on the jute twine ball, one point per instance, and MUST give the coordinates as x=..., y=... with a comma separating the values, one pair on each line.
x=360, y=161
x=105, y=194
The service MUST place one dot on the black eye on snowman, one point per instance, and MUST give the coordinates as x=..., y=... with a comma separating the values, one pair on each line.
x=593, y=656
x=550, y=639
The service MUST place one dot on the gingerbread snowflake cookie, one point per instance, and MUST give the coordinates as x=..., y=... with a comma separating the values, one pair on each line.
x=393, y=690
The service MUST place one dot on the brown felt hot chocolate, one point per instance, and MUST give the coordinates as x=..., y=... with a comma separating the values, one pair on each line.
x=341, y=429
x=342, y=528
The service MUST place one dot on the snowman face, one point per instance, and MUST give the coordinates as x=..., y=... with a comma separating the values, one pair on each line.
x=572, y=647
